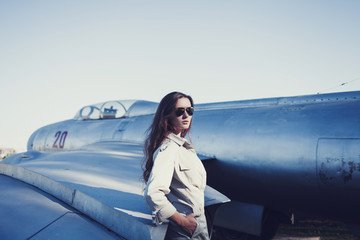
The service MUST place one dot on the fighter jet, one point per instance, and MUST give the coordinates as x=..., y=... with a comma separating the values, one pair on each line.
x=267, y=161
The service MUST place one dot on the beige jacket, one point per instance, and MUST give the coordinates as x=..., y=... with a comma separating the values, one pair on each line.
x=177, y=180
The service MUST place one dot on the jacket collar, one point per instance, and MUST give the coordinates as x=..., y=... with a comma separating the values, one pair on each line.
x=179, y=140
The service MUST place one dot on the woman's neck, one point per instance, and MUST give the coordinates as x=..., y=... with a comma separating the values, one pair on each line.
x=177, y=133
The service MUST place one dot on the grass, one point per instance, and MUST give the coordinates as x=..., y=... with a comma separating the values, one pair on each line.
x=325, y=229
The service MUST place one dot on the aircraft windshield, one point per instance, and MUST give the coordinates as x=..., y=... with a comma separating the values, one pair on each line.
x=105, y=110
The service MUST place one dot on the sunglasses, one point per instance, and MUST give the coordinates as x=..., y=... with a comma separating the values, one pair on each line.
x=180, y=111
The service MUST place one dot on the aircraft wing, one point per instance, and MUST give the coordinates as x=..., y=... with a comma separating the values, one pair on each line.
x=106, y=176
x=29, y=213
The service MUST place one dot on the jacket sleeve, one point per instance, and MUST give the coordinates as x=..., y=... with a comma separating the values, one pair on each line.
x=159, y=184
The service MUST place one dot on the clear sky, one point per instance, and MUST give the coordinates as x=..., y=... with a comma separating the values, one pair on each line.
x=57, y=56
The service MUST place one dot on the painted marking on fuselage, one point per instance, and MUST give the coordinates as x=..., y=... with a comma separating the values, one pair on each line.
x=60, y=138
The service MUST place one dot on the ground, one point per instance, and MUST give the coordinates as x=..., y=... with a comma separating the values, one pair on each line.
x=323, y=228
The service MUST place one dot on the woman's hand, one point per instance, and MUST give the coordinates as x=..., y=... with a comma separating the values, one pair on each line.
x=187, y=222
x=190, y=224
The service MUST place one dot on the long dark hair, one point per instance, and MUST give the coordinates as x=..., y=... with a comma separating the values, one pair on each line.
x=159, y=129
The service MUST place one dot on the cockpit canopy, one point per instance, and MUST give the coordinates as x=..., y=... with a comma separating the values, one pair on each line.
x=116, y=109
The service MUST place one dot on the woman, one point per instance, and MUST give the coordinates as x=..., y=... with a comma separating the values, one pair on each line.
x=175, y=176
